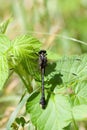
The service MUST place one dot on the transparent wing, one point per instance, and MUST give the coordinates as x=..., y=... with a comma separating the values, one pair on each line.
x=67, y=70
x=32, y=66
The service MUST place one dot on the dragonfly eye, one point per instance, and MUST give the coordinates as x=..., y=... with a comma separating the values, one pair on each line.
x=42, y=52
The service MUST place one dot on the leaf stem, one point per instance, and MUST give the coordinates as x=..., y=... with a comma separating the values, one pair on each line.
x=75, y=125
x=27, y=86
x=74, y=122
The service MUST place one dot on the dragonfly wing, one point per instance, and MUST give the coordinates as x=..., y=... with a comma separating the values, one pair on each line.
x=68, y=69
x=30, y=65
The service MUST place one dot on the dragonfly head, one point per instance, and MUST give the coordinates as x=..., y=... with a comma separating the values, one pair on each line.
x=42, y=52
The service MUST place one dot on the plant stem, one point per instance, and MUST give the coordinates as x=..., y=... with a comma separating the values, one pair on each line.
x=73, y=120
x=27, y=86
x=75, y=125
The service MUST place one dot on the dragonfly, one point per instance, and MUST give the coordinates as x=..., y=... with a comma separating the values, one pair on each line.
x=65, y=71
x=52, y=73
x=42, y=65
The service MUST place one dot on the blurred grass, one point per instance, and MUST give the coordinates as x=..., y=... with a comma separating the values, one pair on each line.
x=49, y=21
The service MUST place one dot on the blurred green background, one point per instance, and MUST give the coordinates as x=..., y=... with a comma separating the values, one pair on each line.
x=56, y=23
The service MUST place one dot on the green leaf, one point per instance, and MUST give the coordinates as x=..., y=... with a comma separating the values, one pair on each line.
x=72, y=69
x=25, y=50
x=20, y=120
x=52, y=56
x=17, y=120
x=31, y=66
x=3, y=70
x=67, y=71
x=24, y=46
x=4, y=26
x=4, y=47
x=5, y=44
x=74, y=75
x=80, y=112
x=57, y=112
x=80, y=90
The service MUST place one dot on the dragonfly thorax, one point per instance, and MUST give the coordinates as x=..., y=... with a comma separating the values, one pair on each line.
x=42, y=59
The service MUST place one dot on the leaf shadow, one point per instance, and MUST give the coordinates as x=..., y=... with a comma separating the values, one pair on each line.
x=55, y=79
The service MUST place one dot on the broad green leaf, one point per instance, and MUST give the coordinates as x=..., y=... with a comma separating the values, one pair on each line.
x=57, y=113
x=52, y=56
x=72, y=69
x=80, y=93
x=25, y=46
x=80, y=112
x=3, y=70
x=25, y=50
x=5, y=44
x=4, y=26
x=67, y=71
x=4, y=49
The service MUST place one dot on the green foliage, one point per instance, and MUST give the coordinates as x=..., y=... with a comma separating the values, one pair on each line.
x=21, y=121
x=63, y=23
x=5, y=44
x=79, y=112
x=68, y=7
x=4, y=71
x=4, y=26
x=66, y=94
x=19, y=52
x=54, y=114
x=65, y=84
x=25, y=51
x=4, y=47
x=24, y=46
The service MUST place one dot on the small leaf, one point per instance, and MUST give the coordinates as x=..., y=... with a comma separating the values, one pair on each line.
x=57, y=112
x=4, y=26
x=22, y=121
x=14, y=126
x=17, y=120
x=3, y=70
